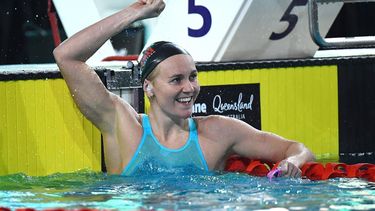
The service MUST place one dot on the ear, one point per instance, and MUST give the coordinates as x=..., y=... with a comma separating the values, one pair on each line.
x=147, y=86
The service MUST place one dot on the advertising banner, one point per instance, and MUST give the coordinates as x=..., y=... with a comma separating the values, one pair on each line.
x=240, y=101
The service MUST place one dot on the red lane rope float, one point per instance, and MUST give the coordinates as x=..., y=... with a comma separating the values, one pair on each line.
x=310, y=170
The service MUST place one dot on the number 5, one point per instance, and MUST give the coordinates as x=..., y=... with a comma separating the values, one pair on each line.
x=207, y=20
x=290, y=18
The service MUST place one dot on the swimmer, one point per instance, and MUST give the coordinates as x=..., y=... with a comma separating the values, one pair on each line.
x=168, y=134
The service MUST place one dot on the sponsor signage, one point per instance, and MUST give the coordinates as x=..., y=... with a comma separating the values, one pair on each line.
x=238, y=101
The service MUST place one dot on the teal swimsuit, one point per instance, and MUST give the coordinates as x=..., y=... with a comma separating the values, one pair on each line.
x=151, y=157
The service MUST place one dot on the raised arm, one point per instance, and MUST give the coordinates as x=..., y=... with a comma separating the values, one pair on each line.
x=87, y=90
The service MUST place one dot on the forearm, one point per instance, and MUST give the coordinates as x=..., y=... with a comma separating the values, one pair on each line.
x=85, y=43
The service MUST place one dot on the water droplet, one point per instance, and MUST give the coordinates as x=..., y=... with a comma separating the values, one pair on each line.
x=15, y=8
x=36, y=15
x=7, y=13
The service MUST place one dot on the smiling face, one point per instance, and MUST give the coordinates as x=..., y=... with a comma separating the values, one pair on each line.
x=174, y=86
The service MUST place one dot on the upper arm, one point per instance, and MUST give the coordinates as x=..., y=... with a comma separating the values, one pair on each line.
x=89, y=93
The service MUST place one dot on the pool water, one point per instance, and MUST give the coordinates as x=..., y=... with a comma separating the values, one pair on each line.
x=213, y=191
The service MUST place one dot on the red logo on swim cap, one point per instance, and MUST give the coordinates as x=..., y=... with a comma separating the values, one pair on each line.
x=146, y=55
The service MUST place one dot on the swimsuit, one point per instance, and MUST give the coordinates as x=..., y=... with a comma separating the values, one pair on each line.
x=151, y=157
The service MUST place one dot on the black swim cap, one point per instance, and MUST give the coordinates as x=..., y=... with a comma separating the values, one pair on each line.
x=156, y=53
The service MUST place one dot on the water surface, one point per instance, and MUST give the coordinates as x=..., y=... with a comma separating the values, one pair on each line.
x=213, y=191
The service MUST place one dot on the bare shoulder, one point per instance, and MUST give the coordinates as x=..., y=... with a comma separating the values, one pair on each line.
x=218, y=122
x=220, y=126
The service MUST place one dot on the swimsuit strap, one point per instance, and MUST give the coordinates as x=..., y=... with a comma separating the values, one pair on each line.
x=146, y=123
x=193, y=133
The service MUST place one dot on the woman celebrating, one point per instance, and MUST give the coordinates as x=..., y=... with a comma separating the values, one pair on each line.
x=167, y=138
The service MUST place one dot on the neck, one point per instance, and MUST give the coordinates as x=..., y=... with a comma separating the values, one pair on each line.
x=168, y=128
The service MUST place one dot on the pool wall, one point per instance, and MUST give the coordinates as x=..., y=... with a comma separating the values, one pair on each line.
x=41, y=129
x=328, y=104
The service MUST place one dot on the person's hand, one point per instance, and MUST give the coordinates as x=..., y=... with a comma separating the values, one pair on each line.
x=288, y=169
x=148, y=8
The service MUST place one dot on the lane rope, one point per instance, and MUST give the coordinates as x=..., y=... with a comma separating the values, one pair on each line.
x=310, y=170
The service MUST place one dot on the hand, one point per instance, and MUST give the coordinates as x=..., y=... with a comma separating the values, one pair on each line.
x=148, y=8
x=288, y=169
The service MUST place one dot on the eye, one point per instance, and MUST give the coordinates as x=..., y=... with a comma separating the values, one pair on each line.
x=193, y=76
x=176, y=80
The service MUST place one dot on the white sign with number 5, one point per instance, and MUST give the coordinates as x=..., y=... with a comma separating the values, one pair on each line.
x=214, y=30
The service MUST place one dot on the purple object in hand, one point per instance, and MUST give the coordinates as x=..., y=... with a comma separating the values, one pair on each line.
x=273, y=173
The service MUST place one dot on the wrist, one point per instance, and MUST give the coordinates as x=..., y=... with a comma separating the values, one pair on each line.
x=128, y=16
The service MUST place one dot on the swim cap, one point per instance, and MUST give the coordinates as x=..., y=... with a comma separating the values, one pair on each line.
x=156, y=53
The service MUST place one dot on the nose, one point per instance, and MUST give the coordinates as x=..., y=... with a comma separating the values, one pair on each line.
x=188, y=86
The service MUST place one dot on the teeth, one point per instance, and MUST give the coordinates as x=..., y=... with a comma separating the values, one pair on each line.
x=184, y=100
